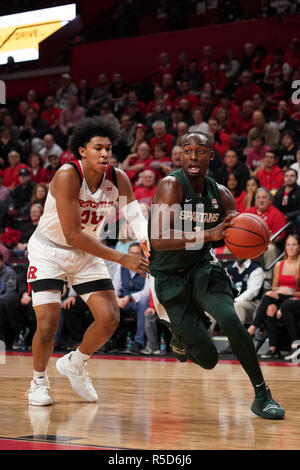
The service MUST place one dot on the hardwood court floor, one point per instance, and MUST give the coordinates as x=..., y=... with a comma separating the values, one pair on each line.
x=149, y=404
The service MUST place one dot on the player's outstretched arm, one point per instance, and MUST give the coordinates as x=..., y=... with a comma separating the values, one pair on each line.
x=65, y=187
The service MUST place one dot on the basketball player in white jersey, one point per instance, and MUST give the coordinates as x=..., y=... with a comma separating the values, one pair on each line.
x=66, y=244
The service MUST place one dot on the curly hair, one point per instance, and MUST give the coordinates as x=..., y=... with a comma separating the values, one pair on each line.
x=91, y=127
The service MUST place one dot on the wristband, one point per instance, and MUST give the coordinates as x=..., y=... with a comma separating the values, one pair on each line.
x=133, y=214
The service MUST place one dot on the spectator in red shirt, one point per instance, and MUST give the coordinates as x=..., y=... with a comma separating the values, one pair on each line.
x=292, y=56
x=32, y=100
x=36, y=165
x=51, y=113
x=137, y=162
x=161, y=137
x=158, y=95
x=216, y=77
x=160, y=164
x=168, y=88
x=247, y=89
x=223, y=117
x=164, y=66
x=221, y=140
x=275, y=221
x=146, y=191
x=277, y=94
x=260, y=61
x=277, y=68
x=54, y=165
x=11, y=173
x=67, y=155
x=233, y=184
x=133, y=98
x=207, y=58
x=244, y=120
x=140, y=136
x=233, y=111
x=185, y=92
x=271, y=176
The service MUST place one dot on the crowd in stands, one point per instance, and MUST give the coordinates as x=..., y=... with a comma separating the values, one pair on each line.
x=244, y=105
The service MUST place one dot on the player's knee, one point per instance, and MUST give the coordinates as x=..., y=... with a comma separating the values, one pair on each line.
x=46, y=330
x=109, y=320
x=207, y=359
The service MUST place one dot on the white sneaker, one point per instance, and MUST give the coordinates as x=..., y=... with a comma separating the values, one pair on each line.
x=149, y=351
x=294, y=356
x=78, y=377
x=38, y=394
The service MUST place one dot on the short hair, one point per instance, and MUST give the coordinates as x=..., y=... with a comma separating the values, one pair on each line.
x=291, y=169
x=159, y=123
x=291, y=134
x=264, y=190
x=231, y=150
x=14, y=151
x=162, y=146
x=271, y=151
x=201, y=135
x=1, y=256
x=257, y=135
x=91, y=127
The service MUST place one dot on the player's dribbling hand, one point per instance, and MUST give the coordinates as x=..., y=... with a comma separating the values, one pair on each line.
x=219, y=232
x=136, y=263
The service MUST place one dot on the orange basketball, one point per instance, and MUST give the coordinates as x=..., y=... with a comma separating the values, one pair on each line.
x=248, y=236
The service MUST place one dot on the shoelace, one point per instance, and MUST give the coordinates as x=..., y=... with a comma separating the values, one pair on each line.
x=81, y=372
x=44, y=388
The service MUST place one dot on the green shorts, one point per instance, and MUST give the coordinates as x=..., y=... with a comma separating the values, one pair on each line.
x=182, y=298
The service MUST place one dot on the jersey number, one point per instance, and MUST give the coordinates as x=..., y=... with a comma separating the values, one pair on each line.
x=90, y=217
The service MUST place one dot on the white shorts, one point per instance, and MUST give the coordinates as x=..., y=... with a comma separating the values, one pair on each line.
x=50, y=265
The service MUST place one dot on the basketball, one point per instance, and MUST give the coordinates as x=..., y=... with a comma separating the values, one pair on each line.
x=248, y=236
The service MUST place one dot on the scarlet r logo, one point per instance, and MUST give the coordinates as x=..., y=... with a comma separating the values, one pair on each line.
x=31, y=272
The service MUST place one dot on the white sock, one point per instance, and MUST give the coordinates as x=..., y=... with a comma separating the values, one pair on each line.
x=37, y=375
x=78, y=358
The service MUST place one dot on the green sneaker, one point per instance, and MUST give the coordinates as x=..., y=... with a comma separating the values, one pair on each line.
x=178, y=349
x=267, y=408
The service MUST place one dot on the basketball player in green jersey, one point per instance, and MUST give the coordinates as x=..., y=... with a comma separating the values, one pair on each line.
x=189, y=211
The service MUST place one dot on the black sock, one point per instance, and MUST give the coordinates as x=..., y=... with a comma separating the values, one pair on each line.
x=260, y=390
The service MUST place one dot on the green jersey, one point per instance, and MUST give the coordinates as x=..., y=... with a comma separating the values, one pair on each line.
x=197, y=213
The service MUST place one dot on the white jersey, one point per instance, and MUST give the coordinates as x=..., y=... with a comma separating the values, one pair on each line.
x=94, y=207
